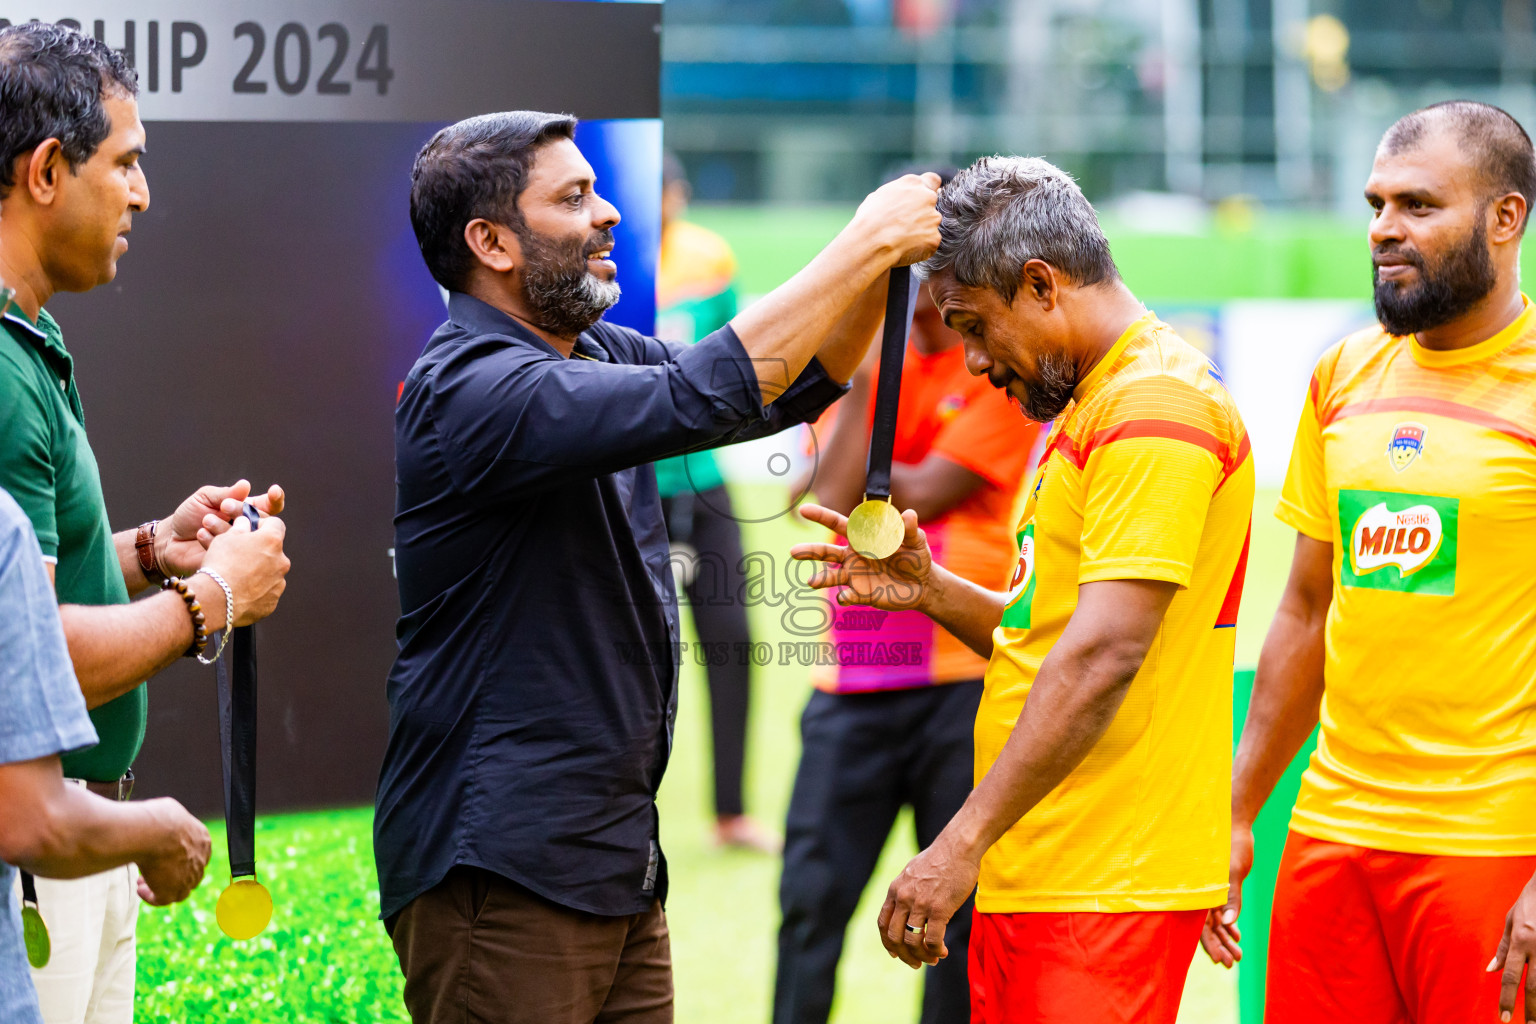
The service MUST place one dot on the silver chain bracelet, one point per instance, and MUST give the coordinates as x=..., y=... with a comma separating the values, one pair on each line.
x=229, y=615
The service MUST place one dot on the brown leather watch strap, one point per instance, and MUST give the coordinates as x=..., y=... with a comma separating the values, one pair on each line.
x=144, y=544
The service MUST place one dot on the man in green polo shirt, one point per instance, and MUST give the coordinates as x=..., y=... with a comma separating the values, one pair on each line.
x=70, y=182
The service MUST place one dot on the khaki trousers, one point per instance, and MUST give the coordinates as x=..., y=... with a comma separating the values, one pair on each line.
x=91, y=922
x=479, y=949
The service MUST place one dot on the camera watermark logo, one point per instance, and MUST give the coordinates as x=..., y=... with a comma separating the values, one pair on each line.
x=790, y=456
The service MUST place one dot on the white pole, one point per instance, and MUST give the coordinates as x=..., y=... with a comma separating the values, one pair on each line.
x=1293, y=100
x=1183, y=104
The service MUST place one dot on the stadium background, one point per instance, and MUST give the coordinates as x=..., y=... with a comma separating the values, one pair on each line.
x=1225, y=143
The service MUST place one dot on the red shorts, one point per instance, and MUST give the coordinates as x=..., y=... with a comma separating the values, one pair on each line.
x=1372, y=937
x=1081, y=968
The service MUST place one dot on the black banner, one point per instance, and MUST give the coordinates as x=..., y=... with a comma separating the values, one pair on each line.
x=386, y=60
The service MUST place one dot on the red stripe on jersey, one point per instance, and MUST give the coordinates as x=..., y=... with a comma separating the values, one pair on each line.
x=1228, y=614
x=1064, y=444
x=1437, y=407
x=1171, y=430
x=1244, y=448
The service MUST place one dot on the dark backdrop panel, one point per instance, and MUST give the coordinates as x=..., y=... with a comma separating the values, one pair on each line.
x=271, y=300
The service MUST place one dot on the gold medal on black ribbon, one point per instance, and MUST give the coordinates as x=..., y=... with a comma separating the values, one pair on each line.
x=875, y=529
x=245, y=907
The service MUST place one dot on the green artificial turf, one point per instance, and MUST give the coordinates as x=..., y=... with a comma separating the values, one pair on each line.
x=1280, y=256
x=325, y=957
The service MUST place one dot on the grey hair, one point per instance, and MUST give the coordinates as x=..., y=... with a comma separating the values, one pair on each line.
x=1003, y=211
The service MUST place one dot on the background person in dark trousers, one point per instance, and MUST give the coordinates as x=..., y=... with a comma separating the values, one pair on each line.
x=877, y=737
x=70, y=183
x=696, y=296
x=533, y=698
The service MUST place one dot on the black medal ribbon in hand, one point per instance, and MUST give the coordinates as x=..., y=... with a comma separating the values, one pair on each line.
x=245, y=907
x=875, y=528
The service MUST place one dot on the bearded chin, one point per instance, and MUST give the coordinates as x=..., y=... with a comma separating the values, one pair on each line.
x=1051, y=391
x=1459, y=281
x=570, y=303
x=563, y=296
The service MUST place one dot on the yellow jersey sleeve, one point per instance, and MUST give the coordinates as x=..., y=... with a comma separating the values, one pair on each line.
x=1155, y=458
x=1304, y=497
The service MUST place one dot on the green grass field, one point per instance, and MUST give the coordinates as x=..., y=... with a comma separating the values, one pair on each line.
x=325, y=957
x=1274, y=257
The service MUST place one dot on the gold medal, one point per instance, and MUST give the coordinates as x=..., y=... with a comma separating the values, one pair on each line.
x=35, y=934
x=244, y=909
x=875, y=529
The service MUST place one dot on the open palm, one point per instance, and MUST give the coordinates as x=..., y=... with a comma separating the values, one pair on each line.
x=895, y=583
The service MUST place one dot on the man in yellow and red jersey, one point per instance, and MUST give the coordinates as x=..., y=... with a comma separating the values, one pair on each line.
x=1098, y=824
x=890, y=722
x=1408, y=627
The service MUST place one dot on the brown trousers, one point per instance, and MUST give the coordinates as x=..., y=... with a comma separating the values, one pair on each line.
x=479, y=949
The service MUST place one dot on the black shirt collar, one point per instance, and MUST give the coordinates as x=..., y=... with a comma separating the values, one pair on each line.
x=479, y=317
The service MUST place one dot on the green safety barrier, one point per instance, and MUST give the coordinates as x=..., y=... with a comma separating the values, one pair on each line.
x=1269, y=833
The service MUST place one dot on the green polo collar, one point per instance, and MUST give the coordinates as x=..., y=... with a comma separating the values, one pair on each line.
x=47, y=337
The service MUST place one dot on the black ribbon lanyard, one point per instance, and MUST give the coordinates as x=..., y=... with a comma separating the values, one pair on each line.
x=899, y=302
x=237, y=741
x=245, y=907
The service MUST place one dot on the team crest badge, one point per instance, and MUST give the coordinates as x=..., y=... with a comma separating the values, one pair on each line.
x=1406, y=444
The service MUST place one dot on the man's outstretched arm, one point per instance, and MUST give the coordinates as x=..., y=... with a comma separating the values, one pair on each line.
x=1287, y=692
x=829, y=310
x=1075, y=697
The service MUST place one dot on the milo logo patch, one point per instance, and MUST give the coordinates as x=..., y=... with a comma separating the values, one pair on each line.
x=1404, y=542
x=1021, y=589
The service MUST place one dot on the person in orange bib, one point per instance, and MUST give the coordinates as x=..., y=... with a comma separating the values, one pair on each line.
x=1097, y=828
x=1408, y=627
x=890, y=724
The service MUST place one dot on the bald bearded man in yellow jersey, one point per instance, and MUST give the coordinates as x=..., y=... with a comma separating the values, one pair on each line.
x=1097, y=828
x=1408, y=626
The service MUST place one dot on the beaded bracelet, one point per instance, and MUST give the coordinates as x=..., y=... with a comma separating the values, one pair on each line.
x=199, y=621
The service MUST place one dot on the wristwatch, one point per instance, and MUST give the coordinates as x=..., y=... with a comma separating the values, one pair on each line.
x=144, y=544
